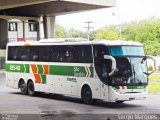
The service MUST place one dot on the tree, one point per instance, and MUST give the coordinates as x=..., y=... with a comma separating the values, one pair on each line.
x=72, y=33
x=147, y=32
x=109, y=33
x=60, y=31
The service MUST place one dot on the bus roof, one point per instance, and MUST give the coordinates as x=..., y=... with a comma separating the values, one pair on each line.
x=75, y=41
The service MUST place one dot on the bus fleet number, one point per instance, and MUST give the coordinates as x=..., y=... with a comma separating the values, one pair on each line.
x=15, y=68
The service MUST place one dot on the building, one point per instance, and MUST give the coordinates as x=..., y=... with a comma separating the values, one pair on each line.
x=21, y=19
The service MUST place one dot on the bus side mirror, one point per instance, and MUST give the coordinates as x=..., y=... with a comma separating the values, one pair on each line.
x=150, y=57
x=113, y=68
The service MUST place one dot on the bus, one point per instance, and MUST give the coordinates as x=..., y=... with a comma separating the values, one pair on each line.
x=114, y=71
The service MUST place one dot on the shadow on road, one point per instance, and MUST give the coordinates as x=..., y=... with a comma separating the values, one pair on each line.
x=97, y=103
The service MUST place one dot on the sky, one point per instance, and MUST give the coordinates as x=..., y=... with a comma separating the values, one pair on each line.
x=124, y=12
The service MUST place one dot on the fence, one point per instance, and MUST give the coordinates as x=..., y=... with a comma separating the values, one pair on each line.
x=2, y=62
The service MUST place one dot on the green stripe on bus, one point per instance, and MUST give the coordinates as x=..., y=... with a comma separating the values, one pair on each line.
x=60, y=70
x=136, y=87
x=77, y=71
x=43, y=79
x=22, y=68
x=91, y=69
x=40, y=69
x=27, y=68
x=70, y=71
x=117, y=87
x=132, y=87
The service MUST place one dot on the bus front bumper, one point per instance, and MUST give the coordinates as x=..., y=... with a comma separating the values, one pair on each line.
x=115, y=95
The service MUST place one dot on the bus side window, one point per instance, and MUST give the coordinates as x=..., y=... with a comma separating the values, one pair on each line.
x=61, y=54
x=54, y=54
x=84, y=54
x=12, y=53
x=34, y=53
x=69, y=54
x=44, y=54
x=57, y=54
x=23, y=54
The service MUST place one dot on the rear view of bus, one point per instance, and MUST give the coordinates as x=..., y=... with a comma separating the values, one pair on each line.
x=128, y=77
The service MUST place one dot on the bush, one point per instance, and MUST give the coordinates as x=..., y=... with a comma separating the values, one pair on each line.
x=150, y=68
x=158, y=67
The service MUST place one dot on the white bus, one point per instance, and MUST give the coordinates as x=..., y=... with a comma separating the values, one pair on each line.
x=114, y=71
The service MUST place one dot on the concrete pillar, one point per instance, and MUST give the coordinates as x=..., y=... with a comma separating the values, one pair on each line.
x=24, y=34
x=49, y=26
x=38, y=30
x=41, y=28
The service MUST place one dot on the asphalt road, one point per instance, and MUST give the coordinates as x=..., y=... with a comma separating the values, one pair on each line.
x=49, y=106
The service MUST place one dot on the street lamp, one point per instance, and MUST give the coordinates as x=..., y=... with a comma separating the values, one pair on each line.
x=119, y=26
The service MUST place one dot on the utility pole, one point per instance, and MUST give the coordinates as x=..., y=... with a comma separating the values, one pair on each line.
x=88, y=28
x=119, y=26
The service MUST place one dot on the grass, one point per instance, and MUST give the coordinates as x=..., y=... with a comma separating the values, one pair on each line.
x=154, y=83
x=154, y=88
x=155, y=76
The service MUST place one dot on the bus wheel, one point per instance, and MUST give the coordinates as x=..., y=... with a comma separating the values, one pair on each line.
x=87, y=95
x=23, y=87
x=119, y=102
x=31, y=91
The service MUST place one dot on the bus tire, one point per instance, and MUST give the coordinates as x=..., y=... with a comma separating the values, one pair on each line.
x=87, y=95
x=23, y=87
x=30, y=88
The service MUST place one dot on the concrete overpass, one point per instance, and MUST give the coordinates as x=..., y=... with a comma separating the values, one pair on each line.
x=50, y=7
x=44, y=9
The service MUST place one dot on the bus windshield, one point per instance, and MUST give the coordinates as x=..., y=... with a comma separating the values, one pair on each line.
x=126, y=51
x=131, y=65
x=130, y=70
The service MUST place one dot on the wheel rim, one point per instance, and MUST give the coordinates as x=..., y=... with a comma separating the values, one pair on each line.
x=31, y=88
x=23, y=87
x=87, y=96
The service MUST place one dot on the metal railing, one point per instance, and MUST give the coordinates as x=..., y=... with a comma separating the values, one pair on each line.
x=2, y=63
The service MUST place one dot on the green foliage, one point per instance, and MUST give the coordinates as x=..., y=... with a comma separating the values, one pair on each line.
x=108, y=33
x=159, y=68
x=60, y=31
x=154, y=76
x=150, y=68
x=71, y=33
x=154, y=88
x=146, y=32
x=154, y=83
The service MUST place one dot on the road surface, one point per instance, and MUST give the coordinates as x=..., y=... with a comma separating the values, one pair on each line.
x=63, y=107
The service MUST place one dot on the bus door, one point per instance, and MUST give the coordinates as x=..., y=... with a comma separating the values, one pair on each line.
x=104, y=83
x=102, y=67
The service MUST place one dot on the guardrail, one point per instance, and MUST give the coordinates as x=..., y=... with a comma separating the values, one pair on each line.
x=2, y=62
